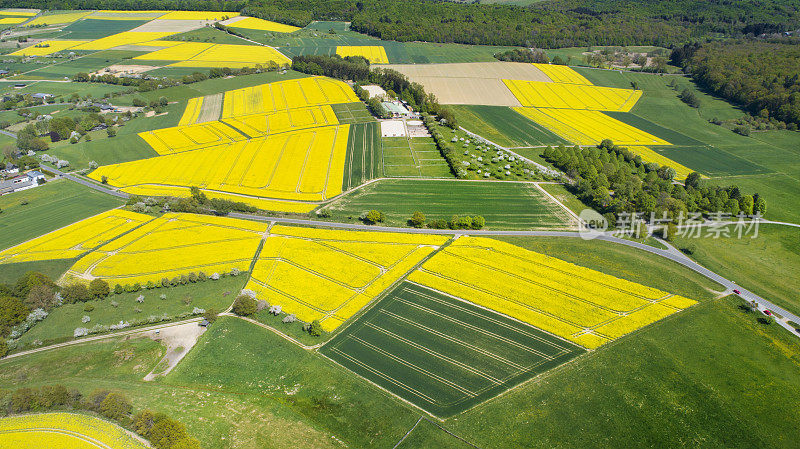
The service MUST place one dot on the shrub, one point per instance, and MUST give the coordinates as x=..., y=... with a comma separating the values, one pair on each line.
x=76, y=293
x=244, y=306
x=88, y=308
x=373, y=217
x=315, y=329
x=99, y=288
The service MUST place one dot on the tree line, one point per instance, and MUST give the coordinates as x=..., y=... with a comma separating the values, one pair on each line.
x=761, y=76
x=613, y=180
x=547, y=24
x=160, y=429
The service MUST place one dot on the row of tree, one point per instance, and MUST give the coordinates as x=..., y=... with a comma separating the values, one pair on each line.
x=357, y=69
x=759, y=75
x=162, y=431
x=614, y=180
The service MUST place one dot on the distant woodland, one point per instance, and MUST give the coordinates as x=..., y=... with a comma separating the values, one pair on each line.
x=548, y=24
x=761, y=76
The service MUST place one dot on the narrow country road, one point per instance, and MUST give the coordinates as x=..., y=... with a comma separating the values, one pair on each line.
x=89, y=184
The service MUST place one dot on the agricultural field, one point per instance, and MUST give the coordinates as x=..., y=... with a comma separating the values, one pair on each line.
x=173, y=245
x=253, y=23
x=471, y=83
x=413, y=157
x=363, y=161
x=76, y=239
x=584, y=306
x=504, y=126
x=279, y=141
x=328, y=275
x=560, y=95
x=305, y=165
x=504, y=205
x=31, y=213
x=375, y=54
x=588, y=127
x=313, y=91
x=61, y=430
x=441, y=354
x=387, y=335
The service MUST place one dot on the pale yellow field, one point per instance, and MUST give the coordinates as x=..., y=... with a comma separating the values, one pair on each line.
x=250, y=54
x=303, y=165
x=124, y=38
x=257, y=125
x=198, y=15
x=260, y=203
x=174, y=245
x=374, y=54
x=212, y=64
x=572, y=96
x=51, y=47
x=17, y=13
x=253, y=23
x=192, y=111
x=75, y=239
x=59, y=18
x=585, y=127
x=108, y=14
x=12, y=20
x=649, y=155
x=179, y=52
x=190, y=137
x=585, y=306
x=330, y=275
x=562, y=74
x=63, y=431
x=281, y=95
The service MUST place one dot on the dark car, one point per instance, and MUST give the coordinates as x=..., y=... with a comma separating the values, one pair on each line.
x=737, y=292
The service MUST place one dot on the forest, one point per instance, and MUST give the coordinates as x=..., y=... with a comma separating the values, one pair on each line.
x=548, y=24
x=761, y=76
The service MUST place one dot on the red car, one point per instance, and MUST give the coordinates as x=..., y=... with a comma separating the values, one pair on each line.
x=737, y=292
x=767, y=313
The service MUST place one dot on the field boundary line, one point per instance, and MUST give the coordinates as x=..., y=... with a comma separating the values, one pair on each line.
x=409, y=432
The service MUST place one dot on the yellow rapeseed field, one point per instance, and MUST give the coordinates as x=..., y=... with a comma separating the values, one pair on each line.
x=282, y=95
x=305, y=165
x=63, y=431
x=179, y=52
x=47, y=47
x=572, y=96
x=198, y=54
x=109, y=14
x=582, y=305
x=59, y=18
x=124, y=38
x=375, y=54
x=648, y=155
x=12, y=20
x=252, y=23
x=17, y=13
x=260, y=203
x=192, y=111
x=329, y=275
x=199, y=15
x=585, y=127
x=190, y=137
x=75, y=239
x=562, y=74
x=257, y=125
x=174, y=245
